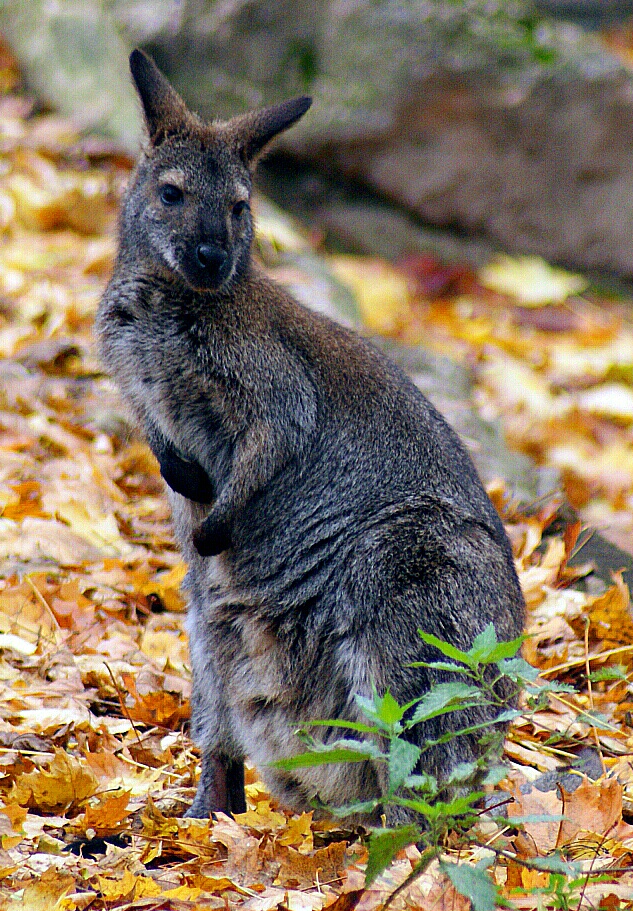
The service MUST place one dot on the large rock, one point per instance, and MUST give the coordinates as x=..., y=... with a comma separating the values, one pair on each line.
x=479, y=115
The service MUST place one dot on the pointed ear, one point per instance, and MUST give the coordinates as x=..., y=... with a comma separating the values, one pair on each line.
x=165, y=111
x=254, y=131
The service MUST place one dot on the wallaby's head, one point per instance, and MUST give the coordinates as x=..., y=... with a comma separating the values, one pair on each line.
x=187, y=211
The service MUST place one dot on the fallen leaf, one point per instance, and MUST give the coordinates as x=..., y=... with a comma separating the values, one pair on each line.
x=530, y=280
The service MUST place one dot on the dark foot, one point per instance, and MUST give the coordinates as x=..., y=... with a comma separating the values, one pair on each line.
x=221, y=788
x=235, y=786
x=211, y=794
x=212, y=537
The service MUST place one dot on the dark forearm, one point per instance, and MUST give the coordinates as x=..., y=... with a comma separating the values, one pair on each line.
x=186, y=477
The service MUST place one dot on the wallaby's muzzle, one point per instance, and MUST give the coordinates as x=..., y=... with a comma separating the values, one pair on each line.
x=206, y=266
x=213, y=260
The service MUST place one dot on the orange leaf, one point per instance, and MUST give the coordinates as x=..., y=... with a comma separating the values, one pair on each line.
x=109, y=815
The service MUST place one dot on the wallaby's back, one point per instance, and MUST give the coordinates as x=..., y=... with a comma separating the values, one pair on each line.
x=326, y=509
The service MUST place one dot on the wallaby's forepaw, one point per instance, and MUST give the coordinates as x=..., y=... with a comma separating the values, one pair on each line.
x=212, y=537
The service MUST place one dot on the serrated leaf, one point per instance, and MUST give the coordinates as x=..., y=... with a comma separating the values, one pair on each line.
x=445, y=697
x=617, y=672
x=364, y=808
x=494, y=775
x=459, y=805
x=483, y=645
x=370, y=709
x=554, y=863
x=474, y=883
x=503, y=650
x=347, y=725
x=423, y=807
x=325, y=754
x=463, y=771
x=519, y=670
x=441, y=666
x=388, y=709
x=446, y=648
x=508, y=715
x=384, y=844
x=403, y=758
x=424, y=782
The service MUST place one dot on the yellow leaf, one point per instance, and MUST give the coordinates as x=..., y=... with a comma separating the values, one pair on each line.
x=97, y=528
x=382, y=293
x=67, y=781
x=298, y=833
x=115, y=889
x=263, y=817
x=613, y=400
x=47, y=893
x=183, y=893
x=531, y=280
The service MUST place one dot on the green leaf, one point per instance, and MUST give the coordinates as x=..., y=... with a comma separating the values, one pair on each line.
x=518, y=670
x=554, y=863
x=388, y=709
x=384, y=844
x=418, y=805
x=463, y=771
x=508, y=715
x=504, y=650
x=494, y=775
x=483, y=645
x=423, y=782
x=375, y=707
x=446, y=649
x=365, y=807
x=474, y=883
x=442, y=666
x=445, y=697
x=348, y=725
x=403, y=758
x=617, y=672
x=596, y=720
x=460, y=806
x=325, y=754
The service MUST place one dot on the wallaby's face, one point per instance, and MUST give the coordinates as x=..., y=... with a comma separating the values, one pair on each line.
x=192, y=208
x=188, y=207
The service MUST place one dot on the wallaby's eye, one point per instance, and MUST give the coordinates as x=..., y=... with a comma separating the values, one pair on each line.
x=239, y=208
x=170, y=195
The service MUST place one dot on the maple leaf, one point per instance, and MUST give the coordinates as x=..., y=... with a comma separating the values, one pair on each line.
x=66, y=782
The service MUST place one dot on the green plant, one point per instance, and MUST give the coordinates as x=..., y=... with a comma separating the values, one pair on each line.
x=450, y=805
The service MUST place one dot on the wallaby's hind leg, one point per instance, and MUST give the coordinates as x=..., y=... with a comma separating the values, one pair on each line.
x=235, y=786
x=221, y=788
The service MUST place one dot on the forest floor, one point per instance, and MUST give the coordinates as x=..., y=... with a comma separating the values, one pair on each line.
x=96, y=767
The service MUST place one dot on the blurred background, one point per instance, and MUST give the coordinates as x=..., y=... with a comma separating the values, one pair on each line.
x=504, y=119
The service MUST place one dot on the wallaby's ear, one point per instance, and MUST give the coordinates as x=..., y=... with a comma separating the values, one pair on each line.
x=165, y=111
x=255, y=130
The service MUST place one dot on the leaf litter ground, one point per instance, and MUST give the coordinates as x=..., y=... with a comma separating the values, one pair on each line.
x=96, y=766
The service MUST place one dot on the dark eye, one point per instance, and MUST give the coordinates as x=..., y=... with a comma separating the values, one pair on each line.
x=239, y=208
x=170, y=195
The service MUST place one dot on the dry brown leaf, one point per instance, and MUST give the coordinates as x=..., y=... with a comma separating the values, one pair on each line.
x=594, y=806
x=301, y=871
x=529, y=801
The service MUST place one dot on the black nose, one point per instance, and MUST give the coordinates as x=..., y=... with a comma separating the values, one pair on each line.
x=210, y=257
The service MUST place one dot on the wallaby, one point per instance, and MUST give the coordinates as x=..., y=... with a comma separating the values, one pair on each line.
x=326, y=510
